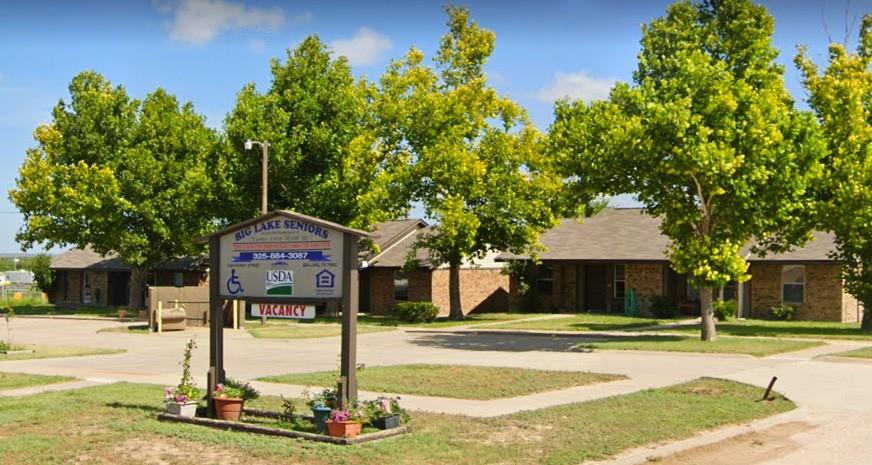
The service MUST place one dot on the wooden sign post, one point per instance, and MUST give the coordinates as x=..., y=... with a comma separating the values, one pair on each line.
x=287, y=259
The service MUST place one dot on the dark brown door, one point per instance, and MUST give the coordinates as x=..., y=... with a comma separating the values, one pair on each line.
x=595, y=287
x=118, y=292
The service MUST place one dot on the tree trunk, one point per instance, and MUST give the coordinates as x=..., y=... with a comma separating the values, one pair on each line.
x=866, y=324
x=707, y=312
x=138, y=276
x=455, y=311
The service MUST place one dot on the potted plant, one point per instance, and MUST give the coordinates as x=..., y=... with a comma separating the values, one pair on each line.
x=345, y=424
x=229, y=398
x=183, y=399
x=321, y=404
x=385, y=412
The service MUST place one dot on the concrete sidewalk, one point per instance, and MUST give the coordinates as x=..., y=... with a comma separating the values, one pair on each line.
x=832, y=395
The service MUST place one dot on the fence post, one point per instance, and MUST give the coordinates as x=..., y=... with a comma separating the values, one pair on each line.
x=159, y=316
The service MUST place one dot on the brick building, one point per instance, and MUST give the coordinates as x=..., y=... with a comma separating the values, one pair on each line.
x=385, y=280
x=592, y=265
x=83, y=277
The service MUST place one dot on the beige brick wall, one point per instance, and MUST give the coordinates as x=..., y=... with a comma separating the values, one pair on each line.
x=481, y=290
x=823, y=292
x=852, y=311
x=647, y=279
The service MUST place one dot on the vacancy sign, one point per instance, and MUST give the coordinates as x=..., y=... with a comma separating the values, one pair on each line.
x=295, y=311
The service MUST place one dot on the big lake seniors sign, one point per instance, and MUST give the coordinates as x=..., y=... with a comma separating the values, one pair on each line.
x=284, y=263
x=282, y=257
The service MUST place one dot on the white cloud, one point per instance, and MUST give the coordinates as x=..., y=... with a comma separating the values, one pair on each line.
x=257, y=45
x=578, y=86
x=199, y=21
x=303, y=17
x=363, y=48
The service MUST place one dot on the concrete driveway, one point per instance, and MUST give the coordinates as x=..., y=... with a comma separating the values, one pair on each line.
x=834, y=397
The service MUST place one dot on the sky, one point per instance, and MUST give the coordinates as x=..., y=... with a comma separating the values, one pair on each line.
x=204, y=51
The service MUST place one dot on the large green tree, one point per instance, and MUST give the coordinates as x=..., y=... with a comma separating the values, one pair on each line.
x=842, y=98
x=707, y=138
x=122, y=175
x=475, y=163
x=324, y=159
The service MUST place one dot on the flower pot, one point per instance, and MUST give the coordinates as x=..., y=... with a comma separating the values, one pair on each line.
x=344, y=429
x=228, y=408
x=184, y=409
x=392, y=421
x=122, y=314
x=320, y=415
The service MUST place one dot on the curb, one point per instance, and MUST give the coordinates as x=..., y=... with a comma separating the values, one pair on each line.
x=82, y=318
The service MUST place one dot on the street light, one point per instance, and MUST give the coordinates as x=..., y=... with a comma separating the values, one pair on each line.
x=264, y=146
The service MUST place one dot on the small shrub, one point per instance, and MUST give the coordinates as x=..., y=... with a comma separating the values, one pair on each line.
x=726, y=309
x=662, y=307
x=782, y=312
x=416, y=312
x=246, y=390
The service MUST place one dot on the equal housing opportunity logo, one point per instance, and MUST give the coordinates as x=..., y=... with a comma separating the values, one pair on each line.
x=279, y=282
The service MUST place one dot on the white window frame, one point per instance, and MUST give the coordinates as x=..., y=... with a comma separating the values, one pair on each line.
x=804, y=283
x=615, y=281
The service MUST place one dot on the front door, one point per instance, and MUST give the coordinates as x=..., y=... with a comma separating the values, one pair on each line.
x=595, y=287
x=118, y=288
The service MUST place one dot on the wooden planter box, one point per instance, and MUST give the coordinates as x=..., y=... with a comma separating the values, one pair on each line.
x=258, y=429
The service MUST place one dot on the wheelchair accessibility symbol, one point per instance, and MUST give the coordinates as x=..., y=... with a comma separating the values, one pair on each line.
x=233, y=285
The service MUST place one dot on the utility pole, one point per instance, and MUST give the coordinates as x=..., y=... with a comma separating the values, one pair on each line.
x=264, y=181
x=264, y=170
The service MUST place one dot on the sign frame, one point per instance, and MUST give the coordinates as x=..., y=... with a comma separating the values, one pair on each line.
x=348, y=297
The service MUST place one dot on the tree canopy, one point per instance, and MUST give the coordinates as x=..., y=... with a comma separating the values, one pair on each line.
x=322, y=159
x=475, y=163
x=841, y=97
x=707, y=138
x=122, y=175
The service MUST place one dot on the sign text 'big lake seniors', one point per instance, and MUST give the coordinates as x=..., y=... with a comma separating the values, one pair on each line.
x=281, y=257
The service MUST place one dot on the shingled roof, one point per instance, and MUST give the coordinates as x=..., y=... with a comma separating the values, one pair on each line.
x=395, y=239
x=88, y=259
x=630, y=234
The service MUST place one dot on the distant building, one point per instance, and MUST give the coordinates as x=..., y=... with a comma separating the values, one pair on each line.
x=592, y=266
x=84, y=277
x=384, y=280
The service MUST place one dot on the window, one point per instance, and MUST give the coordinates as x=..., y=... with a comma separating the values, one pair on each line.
x=86, y=288
x=545, y=281
x=66, y=285
x=730, y=291
x=178, y=279
x=793, y=284
x=401, y=286
x=620, y=282
x=692, y=293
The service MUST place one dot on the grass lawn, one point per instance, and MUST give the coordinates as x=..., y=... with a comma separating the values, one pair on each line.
x=107, y=312
x=133, y=329
x=279, y=330
x=458, y=381
x=21, y=380
x=865, y=352
x=795, y=329
x=725, y=345
x=585, y=322
x=40, y=351
x=115, y=425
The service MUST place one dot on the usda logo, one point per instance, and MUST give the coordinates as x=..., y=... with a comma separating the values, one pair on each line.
x=279, y=282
